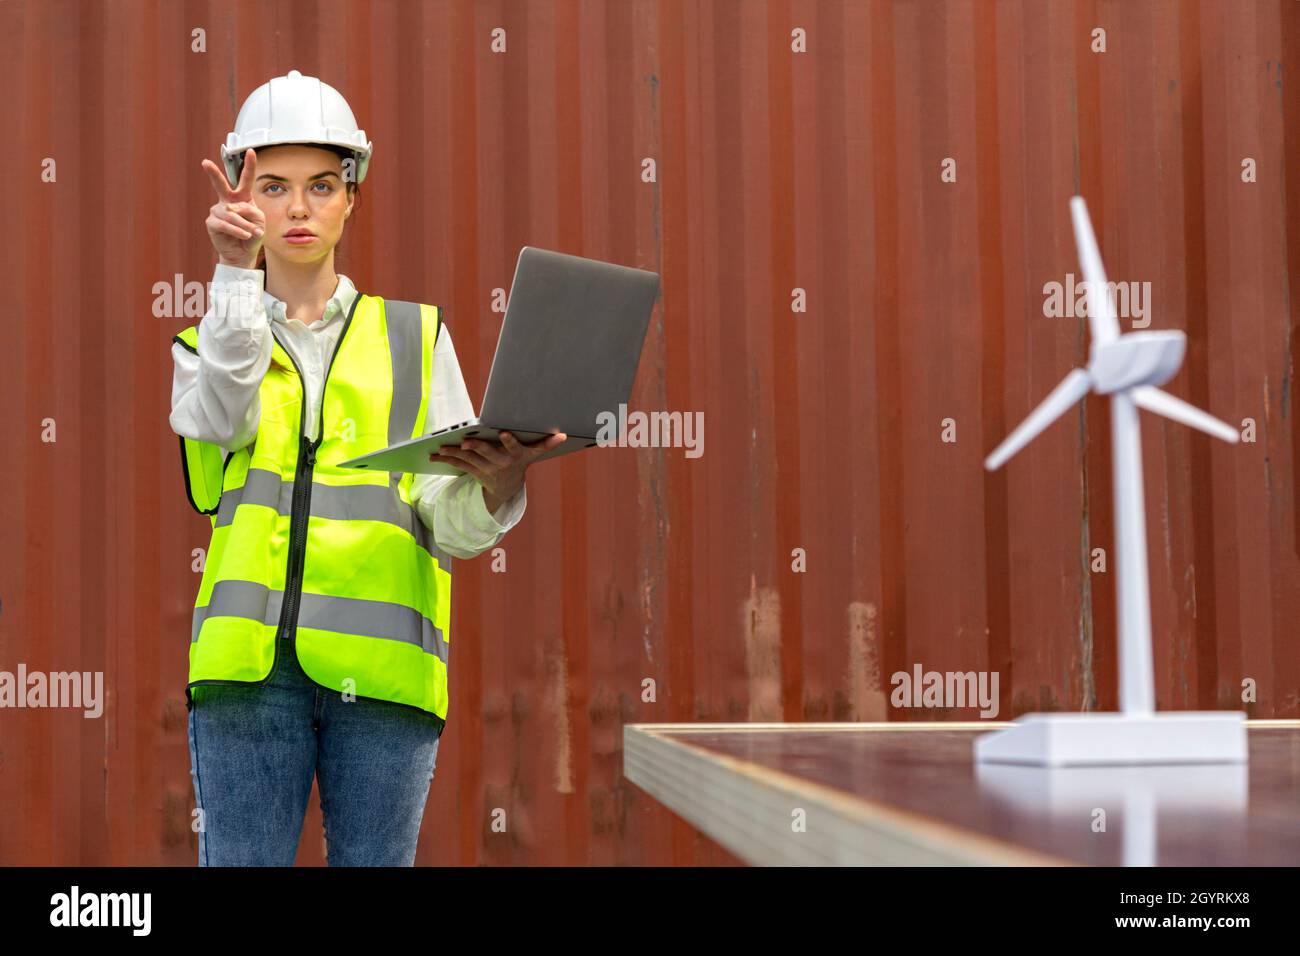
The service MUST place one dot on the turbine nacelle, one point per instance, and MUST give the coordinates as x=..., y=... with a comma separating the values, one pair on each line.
x=1138, y=358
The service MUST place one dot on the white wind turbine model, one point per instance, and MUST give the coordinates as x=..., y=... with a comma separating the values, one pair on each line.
x=1127, y=368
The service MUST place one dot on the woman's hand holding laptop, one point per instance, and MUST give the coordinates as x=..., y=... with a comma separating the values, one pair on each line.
x=499, y=468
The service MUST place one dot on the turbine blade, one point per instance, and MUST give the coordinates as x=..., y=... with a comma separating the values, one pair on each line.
x=1101, y=311
x=1162, y=403
x=1072, y=388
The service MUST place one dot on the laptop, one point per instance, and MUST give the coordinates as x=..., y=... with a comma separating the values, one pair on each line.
x=569, y=348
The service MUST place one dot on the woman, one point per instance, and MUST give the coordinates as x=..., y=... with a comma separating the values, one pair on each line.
x=319, y=644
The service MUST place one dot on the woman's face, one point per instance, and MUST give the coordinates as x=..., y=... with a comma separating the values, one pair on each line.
x=299, y=188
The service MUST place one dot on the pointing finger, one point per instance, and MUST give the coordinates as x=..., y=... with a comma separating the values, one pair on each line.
x=246, y=175
x=219, y=181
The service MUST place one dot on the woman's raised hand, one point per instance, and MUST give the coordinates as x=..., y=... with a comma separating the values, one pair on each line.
x=235, y=224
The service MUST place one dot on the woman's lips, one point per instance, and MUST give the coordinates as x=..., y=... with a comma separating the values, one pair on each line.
x=299, y=240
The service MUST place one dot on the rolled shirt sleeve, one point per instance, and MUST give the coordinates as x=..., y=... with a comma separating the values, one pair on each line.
x=452, y=506
x=215, y=393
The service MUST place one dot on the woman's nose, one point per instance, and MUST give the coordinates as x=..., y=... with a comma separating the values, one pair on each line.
x=298, y=206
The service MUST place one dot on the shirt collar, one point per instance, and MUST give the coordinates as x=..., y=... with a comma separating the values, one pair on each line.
x=338, y=304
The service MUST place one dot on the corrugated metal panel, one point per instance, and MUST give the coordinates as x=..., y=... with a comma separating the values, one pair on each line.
x=775, y=171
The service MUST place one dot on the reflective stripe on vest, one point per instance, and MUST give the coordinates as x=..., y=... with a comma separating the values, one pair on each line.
x=353, y=578
x=372, y=503
x=373, y=618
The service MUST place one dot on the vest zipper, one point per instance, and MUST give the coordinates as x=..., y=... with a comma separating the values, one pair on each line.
x=298, y=536
x=301, y=511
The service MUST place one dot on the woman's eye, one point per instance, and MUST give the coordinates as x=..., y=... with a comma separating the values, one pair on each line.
x=276, y=186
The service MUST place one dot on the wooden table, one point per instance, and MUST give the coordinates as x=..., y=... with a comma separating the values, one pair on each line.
x=912, y=794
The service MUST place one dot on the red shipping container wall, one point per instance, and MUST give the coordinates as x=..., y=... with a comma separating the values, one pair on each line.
x=855, y=208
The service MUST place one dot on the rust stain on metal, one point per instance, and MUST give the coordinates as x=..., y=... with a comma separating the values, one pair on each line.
x=761, y=614
x=867, y=695
x=558, y=703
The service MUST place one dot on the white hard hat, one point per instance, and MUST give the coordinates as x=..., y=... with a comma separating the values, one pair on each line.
x=294, y=109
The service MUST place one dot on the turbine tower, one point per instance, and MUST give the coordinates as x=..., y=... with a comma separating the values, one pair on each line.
x=1128, y=368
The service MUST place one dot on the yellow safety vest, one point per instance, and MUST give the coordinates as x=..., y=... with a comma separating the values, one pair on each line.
x=335, y=560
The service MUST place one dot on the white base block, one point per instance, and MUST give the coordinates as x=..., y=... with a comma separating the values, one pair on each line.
x=1059, y=740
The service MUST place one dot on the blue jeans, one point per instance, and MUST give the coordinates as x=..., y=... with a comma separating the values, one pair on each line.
x=253, y=752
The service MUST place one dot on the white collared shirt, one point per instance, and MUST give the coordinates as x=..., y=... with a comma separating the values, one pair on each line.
x=215, y=396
